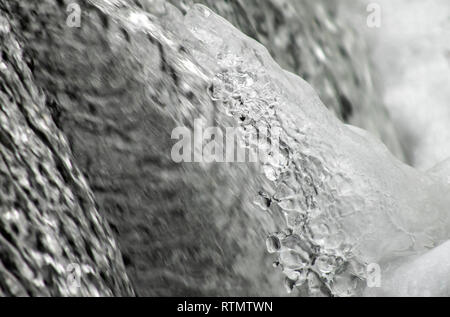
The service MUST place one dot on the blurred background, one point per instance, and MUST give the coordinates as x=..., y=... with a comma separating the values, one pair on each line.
x=411, y=54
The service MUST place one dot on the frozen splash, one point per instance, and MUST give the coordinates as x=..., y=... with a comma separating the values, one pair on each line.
x=348, y=203
x=312, y=251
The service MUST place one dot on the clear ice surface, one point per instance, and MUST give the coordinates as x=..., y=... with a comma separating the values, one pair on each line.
x=348, y=202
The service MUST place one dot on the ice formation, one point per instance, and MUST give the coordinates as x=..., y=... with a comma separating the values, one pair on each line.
x=348, y=202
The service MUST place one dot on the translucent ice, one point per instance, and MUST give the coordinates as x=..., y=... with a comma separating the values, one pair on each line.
x=347, y=200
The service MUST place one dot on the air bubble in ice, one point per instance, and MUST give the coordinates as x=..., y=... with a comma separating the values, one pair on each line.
x=325, y=264
x=270, y=172
x=263, y=201
x=273, y=244
x=289, y=284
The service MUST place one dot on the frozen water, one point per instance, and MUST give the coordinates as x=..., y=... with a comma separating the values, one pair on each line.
x=348, y=202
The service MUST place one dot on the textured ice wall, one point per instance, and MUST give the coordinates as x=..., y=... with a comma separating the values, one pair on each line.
x=320, y=42
x=347, y=200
